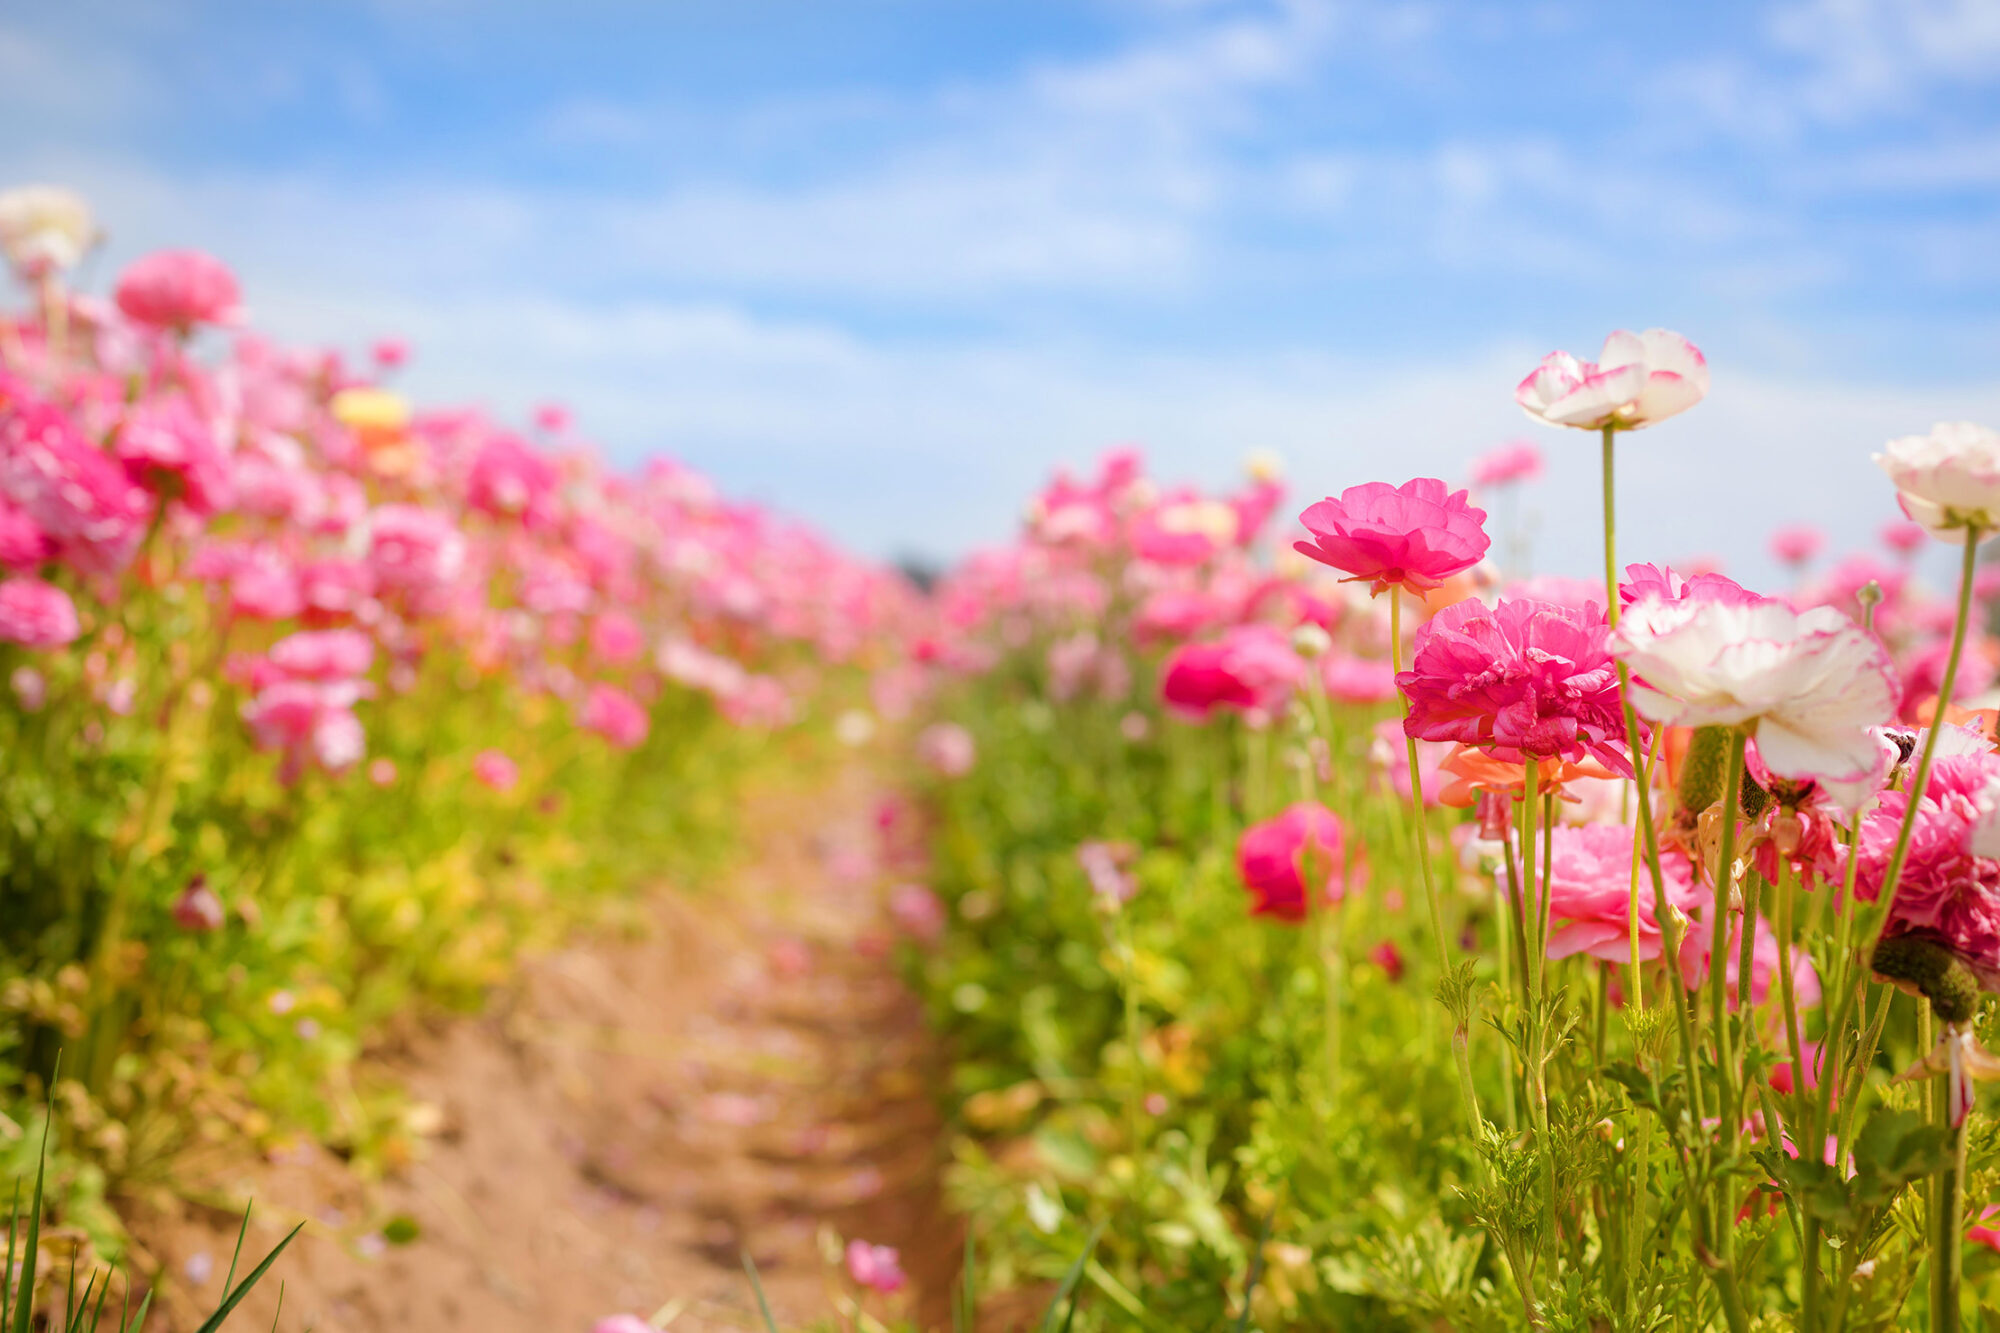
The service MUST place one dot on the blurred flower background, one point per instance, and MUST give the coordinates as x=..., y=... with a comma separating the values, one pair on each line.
x=884, y=263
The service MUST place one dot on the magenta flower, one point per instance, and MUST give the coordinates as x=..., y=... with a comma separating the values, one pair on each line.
x=35, y=614
x=390, y=353
x=174, y=290
x=24, y=547
x=1639, y=379
x=1522, y=680
x=1947, y=895
x=877, y=1267
x=615, y=715
x=510, y=480
x=1904, y=537
x=309, y=723
x=1590, y=894
x=1659, y=583
x=615, y=638
x=1251, y=667
x=1798, y=543
x=413, y=550
x=1414, y=536
x=332, y=654
x=167, y=448
x=74, y=492
x=1279, y=858
x=1515, y=461
x=496, y=770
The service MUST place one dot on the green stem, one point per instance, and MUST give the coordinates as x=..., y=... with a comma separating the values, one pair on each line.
x=1718, y=986
x=1947, y=1248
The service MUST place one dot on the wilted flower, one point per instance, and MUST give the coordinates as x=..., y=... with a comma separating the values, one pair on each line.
x=1637, y=380
x=1524, y=680
x=1414, y=536
x=1948, y=480
x=1279, y=858
x=1810, y=684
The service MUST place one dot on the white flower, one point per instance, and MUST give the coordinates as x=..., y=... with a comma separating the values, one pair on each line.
x=1809, y=684
x=1948, y=480
x=1638, y=379
x=44, y=228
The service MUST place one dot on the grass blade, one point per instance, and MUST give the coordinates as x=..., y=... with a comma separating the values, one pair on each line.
x=24, y=1301
x=1067, y=1291
x=139, y=1320
x=279, y=1312
x=235, y=1298
x=967, y=1305
x=1256, y=1273
x=757, y=1285
x=7, y=1280
x=241, y=1232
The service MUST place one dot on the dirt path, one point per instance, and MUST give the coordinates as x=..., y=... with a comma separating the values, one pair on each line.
x=621, y=1125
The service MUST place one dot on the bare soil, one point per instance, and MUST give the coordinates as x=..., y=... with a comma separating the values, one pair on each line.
x=621, y=1125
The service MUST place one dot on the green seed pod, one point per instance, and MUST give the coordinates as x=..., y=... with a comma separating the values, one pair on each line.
x=1753, y=798
x=1935, y=971
x=1704, y=768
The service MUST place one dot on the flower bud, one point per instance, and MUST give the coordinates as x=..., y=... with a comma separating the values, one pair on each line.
x=198, y=909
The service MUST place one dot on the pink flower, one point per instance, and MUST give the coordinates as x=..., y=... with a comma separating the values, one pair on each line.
x=1175, y=613
x=622, y=1323
x=1414, y=536
x=1946, y=895
x=332, y=654
x=1948, y=480
x=389, y=353
x=918, y=912
x=1660, y=583
x=197, y=908
x=174, y=290
x=615, y=638
x=1107, y=866
x=1185, y=529
x=552, y=418
x=335, y=588
x=495, y=770
x=1390, y=959
x=74, y=492
x=1696, y=953
x=877, y=1267
x=1522, y=680
x=947, y=749
x=1902, y=536
x=1517, y=460
x=35, y=614
x=23, y=546
x=1251, y=667
x=1638, y=380
x=414, y=551
x=1797, y=544
x=382, y=772
x=1357, y=680
x=167, y=448
x=310, y=722
x=510, y=480
x=1590, y=888
x=1280, y=857
x=615, y=715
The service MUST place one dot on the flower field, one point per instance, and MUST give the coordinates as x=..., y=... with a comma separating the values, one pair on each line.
x=1318, y=924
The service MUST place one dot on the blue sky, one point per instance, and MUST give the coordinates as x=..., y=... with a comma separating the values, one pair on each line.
x=884, y=263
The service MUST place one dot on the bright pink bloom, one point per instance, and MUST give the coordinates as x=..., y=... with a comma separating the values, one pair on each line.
x=414, y=551
x=1590, y=902
x=1517, y=460
x=1252, y=666
x=622, y=1323
x=877, y=1267
x=1522, y=680
x=1904, y=537
x=334, y=588
x=310, y=722
x=74, y=492
x=1663, y=584
x=1390, y=959
x=1947, y=895
x=167, y=448
x=1357, y=680
x=510, y=480
x=174, y=290
x=1280, y=857
x=615, y=638
x=390, y=353
x=1415, y=535
x=35, y=614
x=332, y=654
x=552, y=418
x=1797, y=544
x=615, y=715
x=1637, y=380
x=496, y=770
x=1175, y=613
x=23, y=546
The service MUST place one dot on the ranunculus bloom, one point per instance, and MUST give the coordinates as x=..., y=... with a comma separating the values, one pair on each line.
x=1798, y=543
x=175, y=290
x=1472, y=772
x=947, y=749
x=1590, y=893
x=1811, y=684
x=310, y=722
x=1695, y=954
x=1518, y=460
x=1280, y=857
x=73, y=491
x=1522, y=680
x=877, y=1267
x=35, y=614
x=1638, y=379
x=615, y=715
x=44, y=229
x=390, y=353
x=1659, y=583
x=167, y=448
x=510, y=480
x=1947, y=894
x=1357, y=680
x=1902, y=536
x=615, y=638
x=331, y=654
x=1948, y=480
x=412, y=550
x=1185, y=529
x=1252, y=666
x=197, y=908
x=495, y=770
x=23, y=545
x=1415, y=535
x=917, y=911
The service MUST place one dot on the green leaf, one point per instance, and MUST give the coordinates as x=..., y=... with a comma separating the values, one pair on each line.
x=1067, y=1291
x=235, y=1298
x=757, y=1285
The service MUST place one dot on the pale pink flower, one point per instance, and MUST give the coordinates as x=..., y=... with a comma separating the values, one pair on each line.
x=1107, y=865
x=1522, y=680
x=31, y=688
x=332, y=654
x=197, y=908
x=918, y=912
x=309, y=722
x=947, y=749
x=383, y=772
x=622, y=1323
x=1902, y=536
x=614, y=715
x=1637, y=380
x=495, y=770
x=174, y=290
x=615, y=638
x=1590, y=893
x=1414, y=536
x=1797, y=544
x=413, y=550
x=1515, y=461
x=1948, y=480
x=1185, y=529
x=1659, y=583
x=877, y=1267
x=1810, y=684
x=36, y=614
